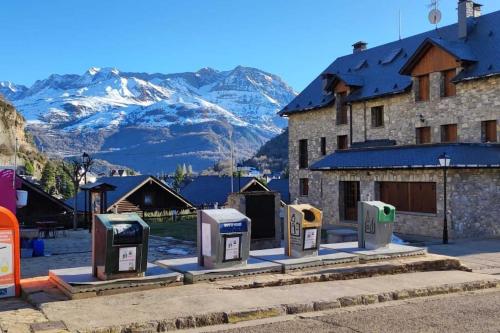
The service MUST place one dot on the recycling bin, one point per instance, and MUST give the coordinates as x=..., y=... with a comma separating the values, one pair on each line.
x=302, y=230
x=119, y=246
x=375, y=224
x=223, y=238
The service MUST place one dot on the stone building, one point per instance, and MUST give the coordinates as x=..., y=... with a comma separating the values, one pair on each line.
x=372, y=125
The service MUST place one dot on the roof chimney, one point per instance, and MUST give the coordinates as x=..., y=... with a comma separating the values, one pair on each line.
x=359, y=46
x=466, y=9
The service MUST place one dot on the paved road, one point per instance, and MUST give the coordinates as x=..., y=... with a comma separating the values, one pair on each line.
x=466, y=312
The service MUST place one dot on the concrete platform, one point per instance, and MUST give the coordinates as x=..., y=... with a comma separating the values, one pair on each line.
x=390, y=252
x=325, y=257
x=195, y=273
x=79, y=283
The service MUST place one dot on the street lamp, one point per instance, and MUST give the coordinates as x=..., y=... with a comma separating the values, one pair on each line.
x=444, y=162
x=238, y=170
x=85, y=164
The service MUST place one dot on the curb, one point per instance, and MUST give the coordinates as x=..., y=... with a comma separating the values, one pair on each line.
x=217, y=318
x=351, y=273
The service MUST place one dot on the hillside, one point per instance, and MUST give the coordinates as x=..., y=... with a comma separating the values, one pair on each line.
x=273, y=155
x=153, y=122
x=12, y=126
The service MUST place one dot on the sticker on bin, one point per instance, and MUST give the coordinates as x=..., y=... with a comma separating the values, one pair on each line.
x=310, y=236
x=226, y=228
x=127, y=259
x=7, y=283
x=232, y=248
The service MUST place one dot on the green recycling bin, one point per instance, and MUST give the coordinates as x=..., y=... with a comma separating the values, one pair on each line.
x=375, y=224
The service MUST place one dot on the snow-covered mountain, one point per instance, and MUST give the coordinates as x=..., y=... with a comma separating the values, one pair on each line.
x=151, y=122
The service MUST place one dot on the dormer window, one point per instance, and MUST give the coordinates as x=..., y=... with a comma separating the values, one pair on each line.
x=327, y=82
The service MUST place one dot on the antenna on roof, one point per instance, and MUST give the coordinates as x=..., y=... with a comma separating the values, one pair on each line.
x=435, y=13
x=400, y=24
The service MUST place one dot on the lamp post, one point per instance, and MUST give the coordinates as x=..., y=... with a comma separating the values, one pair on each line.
x=444, y=162
x=238, y=170
x=85, y=164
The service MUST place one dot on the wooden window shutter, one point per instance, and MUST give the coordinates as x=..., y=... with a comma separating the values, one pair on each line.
x=489, y=131
x=442, y=86
x=452, y=130
x=416, y=82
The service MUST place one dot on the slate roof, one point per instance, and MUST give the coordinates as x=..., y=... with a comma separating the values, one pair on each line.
x=281, y=186
x=207, y=190
x=463, y=155
x=37, y=188
x=382, y=77
x=124, y=185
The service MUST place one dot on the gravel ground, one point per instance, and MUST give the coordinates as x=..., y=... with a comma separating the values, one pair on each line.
x=74, y=250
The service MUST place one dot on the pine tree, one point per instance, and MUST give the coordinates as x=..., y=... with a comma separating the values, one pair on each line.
x=29, y=168
x=48, y=180
x=184, y=169
x=190, y=170
x=65, y=185
x=178, y=177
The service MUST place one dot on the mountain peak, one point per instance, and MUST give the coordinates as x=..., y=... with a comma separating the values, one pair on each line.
x=102, y=71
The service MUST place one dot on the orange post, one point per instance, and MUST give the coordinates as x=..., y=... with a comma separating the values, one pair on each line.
x=10, y=255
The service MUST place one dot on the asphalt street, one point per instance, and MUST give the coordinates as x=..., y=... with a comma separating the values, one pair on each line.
x=465, y=312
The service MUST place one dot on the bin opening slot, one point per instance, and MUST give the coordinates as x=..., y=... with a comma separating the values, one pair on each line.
x=387, y=210
x=127, y=233
x=308, y=215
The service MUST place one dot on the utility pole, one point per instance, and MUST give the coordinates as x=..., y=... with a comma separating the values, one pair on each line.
x=232, y=158
x=15, y=165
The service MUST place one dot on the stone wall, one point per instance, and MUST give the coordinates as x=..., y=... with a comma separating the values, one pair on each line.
x=473, y=200
x=475, y=101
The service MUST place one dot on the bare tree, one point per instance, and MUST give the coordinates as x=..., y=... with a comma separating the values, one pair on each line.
x=77, y=170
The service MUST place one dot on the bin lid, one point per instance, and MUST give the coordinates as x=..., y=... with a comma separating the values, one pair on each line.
x=386, y=212
x=225, y=215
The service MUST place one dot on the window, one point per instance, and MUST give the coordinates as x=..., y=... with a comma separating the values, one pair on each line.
x=377, y=116
x=449, y=133
x=422, y=88
x=448, y=88
x=304, y=187
x=303, y=160
x=423, y=135
x=323, y=146
x=419, y=197
x=341, y=109
x=342, y=142
x=489, y=131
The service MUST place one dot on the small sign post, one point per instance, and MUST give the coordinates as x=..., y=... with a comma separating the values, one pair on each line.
x=10, y=262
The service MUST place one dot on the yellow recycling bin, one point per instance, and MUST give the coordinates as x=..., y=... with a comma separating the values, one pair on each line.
x=302, y=230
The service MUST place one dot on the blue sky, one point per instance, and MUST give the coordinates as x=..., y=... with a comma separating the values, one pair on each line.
x=295, y=39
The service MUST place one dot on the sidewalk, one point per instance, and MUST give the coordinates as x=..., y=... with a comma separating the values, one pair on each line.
x=482, y=256
x=208, y=304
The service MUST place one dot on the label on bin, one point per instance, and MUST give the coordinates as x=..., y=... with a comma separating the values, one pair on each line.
x=206, y=240
x=226, y=228
x=310, y=237
x=232, y=248
x=127, y=259
x=7, y=281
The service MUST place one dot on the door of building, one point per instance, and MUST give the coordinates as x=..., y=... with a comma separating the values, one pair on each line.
x=350, y=198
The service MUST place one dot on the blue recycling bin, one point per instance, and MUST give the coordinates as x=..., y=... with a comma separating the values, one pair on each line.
x=38, y=248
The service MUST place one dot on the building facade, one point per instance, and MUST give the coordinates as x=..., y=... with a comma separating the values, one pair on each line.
x=405, y=102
